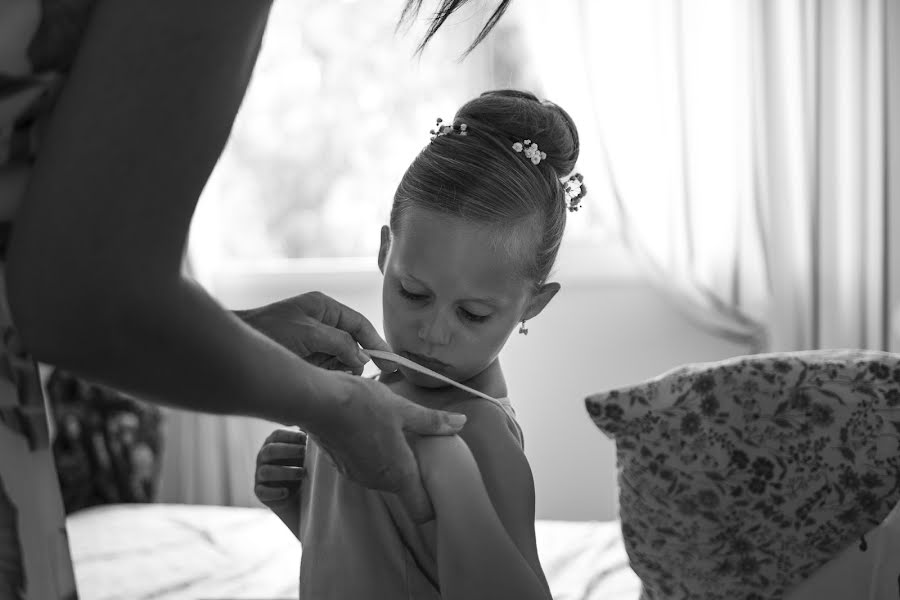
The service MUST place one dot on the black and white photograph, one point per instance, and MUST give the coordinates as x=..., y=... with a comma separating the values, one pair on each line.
x=450, y=300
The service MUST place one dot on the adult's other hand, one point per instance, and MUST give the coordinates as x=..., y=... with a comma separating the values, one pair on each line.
x=366, y=438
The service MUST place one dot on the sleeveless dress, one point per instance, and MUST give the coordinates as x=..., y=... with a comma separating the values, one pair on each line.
x=38, y=41
x=361, y=543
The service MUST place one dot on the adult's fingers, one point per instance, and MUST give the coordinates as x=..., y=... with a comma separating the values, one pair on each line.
x=361, y=329
x=426, y=421
x=332, y=363
x=335, y=342
x=357, y=326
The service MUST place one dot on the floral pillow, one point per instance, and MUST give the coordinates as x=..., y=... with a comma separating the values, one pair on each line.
x=739, y=479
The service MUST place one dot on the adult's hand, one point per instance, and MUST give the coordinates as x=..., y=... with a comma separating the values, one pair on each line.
x=366, y=437
x=320, y=330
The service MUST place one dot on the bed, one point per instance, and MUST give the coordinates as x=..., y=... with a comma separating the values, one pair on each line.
x=174, y=552
x=765, y=476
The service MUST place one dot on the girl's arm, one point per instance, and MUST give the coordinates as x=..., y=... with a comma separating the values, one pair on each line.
x=484, y=541
x=280, y=475
x=290, y=516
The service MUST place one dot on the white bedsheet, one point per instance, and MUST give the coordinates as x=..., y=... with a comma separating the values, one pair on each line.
x=174, y=552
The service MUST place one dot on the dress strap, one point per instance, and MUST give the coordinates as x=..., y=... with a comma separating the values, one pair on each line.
x=506, y=405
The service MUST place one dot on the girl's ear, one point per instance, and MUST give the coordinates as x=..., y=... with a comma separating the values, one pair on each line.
x=539, y=300
x=385, y=247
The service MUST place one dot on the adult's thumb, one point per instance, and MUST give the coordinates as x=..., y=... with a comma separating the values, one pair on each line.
x=426, y=421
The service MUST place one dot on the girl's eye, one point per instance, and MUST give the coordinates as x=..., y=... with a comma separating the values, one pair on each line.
x=409, y=295
x=413, y=297
x=473, y=317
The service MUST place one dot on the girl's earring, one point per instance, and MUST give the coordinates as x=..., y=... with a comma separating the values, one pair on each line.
x=523, y=329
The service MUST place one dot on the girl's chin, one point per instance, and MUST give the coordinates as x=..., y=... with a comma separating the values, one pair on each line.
x=421, y=379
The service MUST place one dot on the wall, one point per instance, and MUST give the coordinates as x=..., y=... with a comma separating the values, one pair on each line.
x=599, y=332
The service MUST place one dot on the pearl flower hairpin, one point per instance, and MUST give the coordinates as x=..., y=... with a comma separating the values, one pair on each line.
x=531, y=151
x=575, y=190
x=440, y=130
x=573, y=185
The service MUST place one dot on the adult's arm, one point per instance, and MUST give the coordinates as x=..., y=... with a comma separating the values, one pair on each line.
x=94, y=265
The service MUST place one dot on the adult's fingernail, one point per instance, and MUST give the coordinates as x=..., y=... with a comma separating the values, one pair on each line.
x=456, y=419
x=363, y=357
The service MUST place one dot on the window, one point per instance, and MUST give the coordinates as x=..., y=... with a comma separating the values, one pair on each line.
x=337, y=108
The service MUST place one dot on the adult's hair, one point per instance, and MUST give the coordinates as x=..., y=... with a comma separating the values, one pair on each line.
x=480, y=178
x=442, y=13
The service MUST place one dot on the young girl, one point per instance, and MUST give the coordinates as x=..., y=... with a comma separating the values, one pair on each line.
x=474, y=230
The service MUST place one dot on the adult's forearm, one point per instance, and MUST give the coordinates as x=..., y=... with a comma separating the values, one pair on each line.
x=93, y=270
x=175, y=345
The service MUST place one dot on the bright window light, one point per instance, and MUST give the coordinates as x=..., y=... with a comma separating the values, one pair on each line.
x=337, y=108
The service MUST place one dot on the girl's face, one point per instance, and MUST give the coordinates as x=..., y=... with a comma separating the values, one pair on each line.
x=450, y=299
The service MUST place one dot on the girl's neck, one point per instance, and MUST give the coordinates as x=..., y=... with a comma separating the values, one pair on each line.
x=489, y=381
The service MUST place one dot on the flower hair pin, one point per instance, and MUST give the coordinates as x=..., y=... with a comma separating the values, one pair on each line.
x=439, y=130
x=575, y=190
x=531, y=151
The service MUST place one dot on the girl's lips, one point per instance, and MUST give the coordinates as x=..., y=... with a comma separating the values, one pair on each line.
x=431, y=363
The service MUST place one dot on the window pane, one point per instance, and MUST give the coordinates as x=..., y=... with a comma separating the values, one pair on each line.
x=337, y=108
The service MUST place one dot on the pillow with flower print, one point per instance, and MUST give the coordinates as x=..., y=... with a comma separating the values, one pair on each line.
x=739, y=479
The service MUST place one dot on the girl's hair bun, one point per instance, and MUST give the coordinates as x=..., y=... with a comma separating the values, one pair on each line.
x=516, y=116
x=506, y=161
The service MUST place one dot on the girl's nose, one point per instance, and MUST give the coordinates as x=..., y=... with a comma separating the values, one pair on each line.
x=434, y=330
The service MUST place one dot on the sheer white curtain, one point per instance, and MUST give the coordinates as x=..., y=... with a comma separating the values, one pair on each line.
x=822, y=115
x=739, y=146
x=743, y=147
x=210, y=459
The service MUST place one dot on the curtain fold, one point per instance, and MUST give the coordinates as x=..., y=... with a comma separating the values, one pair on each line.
x=744, y=150
x=740, y=149
x=822, y=65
